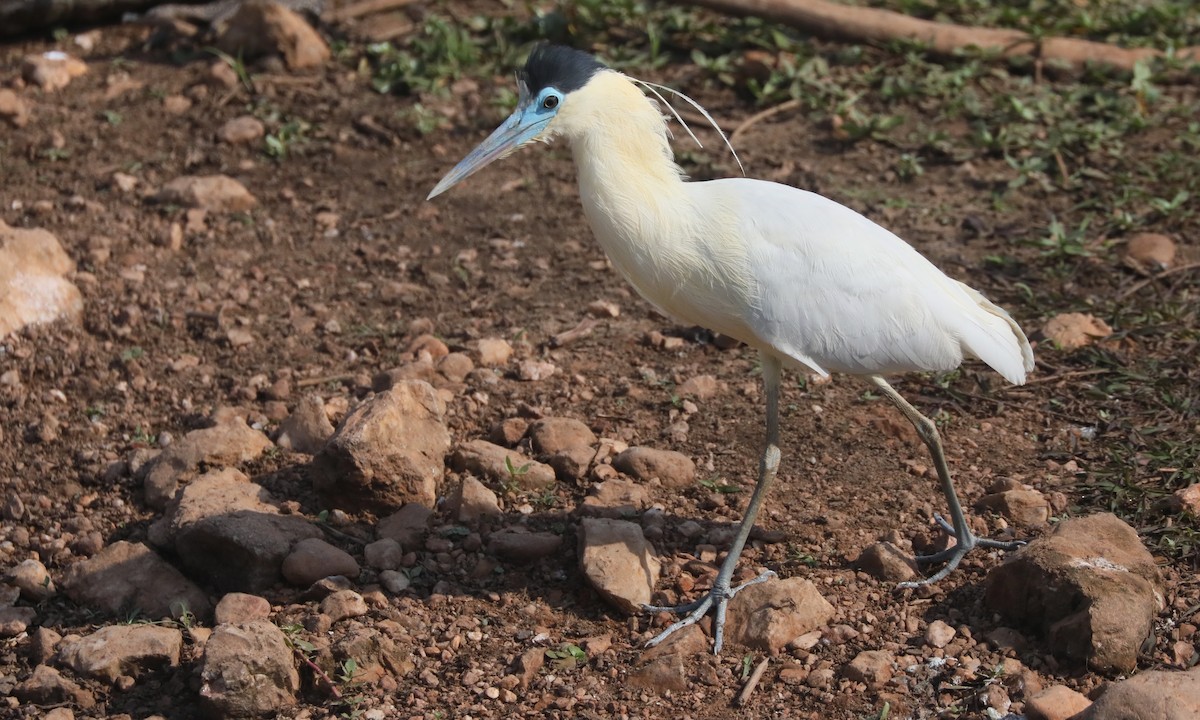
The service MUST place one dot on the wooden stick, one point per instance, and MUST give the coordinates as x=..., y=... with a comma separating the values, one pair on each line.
x=833, y=20
x=366, y=7
x=1065, y=375
x=1139, y=285
x=752, y=683
x=582, y=330
x=763, y=115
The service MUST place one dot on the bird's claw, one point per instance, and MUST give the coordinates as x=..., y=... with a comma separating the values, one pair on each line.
x=718, y=598
x=953, y=555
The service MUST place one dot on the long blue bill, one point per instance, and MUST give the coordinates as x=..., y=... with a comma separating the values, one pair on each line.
x=520, y=127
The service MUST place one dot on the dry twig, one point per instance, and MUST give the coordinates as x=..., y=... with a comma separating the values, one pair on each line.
x=763, y=115
x=752, y=683
x=1139, y=285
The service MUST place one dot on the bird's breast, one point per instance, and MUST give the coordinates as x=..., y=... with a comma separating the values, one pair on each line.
x=678, y=257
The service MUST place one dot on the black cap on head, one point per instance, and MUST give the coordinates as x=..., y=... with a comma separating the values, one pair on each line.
x=563, y=68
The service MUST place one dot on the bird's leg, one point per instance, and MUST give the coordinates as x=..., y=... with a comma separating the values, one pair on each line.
x=965, y=539
x=721, y=592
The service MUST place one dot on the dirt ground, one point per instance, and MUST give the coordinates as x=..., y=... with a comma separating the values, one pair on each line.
x=341, y=264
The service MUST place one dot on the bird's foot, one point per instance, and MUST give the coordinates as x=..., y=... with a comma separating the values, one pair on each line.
x=717, y=598
x=952, y=556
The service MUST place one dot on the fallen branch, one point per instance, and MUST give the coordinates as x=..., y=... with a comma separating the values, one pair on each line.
x=752, y=683
x=1166, y=273
x=365, y=7
x=762, y=115
x=830, y=19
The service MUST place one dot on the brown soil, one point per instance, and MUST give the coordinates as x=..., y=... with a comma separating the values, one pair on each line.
x=506, y=254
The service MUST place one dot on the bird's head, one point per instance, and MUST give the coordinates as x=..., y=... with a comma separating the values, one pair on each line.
x=552, y=78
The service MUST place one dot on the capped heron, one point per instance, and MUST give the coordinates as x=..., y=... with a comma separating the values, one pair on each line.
x=809, y=283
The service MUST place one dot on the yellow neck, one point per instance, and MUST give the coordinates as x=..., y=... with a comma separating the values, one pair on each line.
x=628, y=179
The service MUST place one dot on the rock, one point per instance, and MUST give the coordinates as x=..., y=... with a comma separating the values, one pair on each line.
x=407, y=526
x=176, y=104
x=1186, y=500
x=493, y=352
x=9, y=595
x=248, y=671
x=422, y=370
x=509, y=432
x=871, y=667
x=1071, y=331
x=1151, y=695
x=394, y=581
x=228, y=441
x=375, y=655
x=313, y=559
x=534, y=370
x=1025, y=508
x=230, y=532
x=667, y=673
x=887, y=562
x=519, y=546
x=939, y=634
x=1151, y=251
x=571, y=464
x=528, y=664
x=664, y=667
x=565, y=444
x=769, y=615
x=129, y=576
x=1090, y=587
x=214, y=193
x=389, y=451
x=52, y=70
x=456, y=366
x=344, y=604
x=13, y=110
x=241, y=130
x=674, y=470
x=238, y=607
x=615, y=499
x=33, y=290
x=43, y=643
x=618, y=562
x=61, y=713
x=701, y=387
x=307, y=429
x=384, y=554
x=604, y=309
x=33, y=580
x=428, y=346
x=555, y=434
x=122, y=650
x=473, y=501
x=502, y=466
x=260, y=27
x=46, y=686
x=1006, y=638
x=1056, y=702
x=15, y=620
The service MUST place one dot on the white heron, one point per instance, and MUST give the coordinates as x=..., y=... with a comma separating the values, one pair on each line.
x=809, y=283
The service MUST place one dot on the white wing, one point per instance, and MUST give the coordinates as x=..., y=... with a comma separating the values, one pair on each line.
x=839, y=293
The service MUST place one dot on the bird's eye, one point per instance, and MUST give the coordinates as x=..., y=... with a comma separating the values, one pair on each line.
x=550, y=102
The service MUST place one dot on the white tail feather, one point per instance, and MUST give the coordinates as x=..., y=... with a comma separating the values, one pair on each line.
x=998, y=340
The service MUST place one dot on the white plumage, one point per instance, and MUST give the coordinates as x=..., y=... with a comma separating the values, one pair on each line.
x=781, y=269
x=808, y=282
